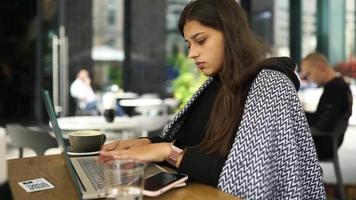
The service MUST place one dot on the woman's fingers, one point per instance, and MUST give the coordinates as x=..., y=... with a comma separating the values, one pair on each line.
x=106, y=156
x=124, y=144
x=111, y=146
x=146, y=153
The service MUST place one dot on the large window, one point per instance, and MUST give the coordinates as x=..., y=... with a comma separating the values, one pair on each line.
x=270, y=21
x=350, y=28
x=309, y=37
x=281, y=28
x=107, y=52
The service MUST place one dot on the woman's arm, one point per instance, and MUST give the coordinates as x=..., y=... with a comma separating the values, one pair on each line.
x=199, y=166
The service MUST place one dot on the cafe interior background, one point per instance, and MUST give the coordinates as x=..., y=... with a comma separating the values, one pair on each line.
x=133, y=47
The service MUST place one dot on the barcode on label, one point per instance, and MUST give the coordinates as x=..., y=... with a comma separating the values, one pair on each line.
x=35, y=185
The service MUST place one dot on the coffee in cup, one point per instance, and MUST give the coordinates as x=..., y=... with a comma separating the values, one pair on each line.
x=86, y=141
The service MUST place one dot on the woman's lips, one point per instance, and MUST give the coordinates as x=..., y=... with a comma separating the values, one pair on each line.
x=200, y=65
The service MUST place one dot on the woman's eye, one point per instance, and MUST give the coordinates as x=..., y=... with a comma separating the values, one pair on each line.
x=201, y=42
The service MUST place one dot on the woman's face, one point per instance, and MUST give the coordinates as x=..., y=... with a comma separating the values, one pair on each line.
x=206, y=47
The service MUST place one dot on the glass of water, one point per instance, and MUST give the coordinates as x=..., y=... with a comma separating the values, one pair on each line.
x=124, y=179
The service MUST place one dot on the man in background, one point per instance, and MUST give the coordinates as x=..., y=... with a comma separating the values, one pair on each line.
x=83, y=92
x=335, y=101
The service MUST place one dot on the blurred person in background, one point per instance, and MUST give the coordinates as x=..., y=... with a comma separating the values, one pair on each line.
x=244, y=130
x=334, y=103
x=84, y=94
x=82, y=91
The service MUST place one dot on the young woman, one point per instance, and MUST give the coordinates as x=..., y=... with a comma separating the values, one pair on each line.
x=244, y=130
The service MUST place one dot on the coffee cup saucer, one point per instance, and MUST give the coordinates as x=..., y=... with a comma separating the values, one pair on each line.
x=74, y=153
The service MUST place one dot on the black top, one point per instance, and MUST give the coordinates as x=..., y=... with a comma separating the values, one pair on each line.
x=201, y=167
x=333, y=104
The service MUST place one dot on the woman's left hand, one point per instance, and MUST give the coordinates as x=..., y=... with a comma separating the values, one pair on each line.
x=157, y=152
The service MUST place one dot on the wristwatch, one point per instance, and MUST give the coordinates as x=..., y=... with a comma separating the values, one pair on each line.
x=173, y=155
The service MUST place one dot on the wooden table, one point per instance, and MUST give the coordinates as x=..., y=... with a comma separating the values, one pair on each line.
x=53, y=169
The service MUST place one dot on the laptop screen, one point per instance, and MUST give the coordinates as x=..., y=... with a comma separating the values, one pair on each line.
x=53, y=119
x=60, y=140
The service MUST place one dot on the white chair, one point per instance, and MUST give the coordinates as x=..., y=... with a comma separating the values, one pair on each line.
x=333, y=140
x=22, y=137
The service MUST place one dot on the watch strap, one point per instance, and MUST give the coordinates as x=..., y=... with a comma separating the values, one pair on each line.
x=173, y=155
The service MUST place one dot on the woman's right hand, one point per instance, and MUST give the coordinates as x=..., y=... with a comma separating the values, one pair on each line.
x=125, y=144
x=120, y=145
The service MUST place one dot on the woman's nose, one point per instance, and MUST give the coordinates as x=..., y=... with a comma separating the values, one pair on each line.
x=193, y=53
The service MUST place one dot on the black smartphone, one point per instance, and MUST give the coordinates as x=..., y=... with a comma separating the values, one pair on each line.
x=162, y=182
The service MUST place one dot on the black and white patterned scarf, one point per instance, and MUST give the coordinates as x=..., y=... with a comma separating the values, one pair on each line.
x=273, y=154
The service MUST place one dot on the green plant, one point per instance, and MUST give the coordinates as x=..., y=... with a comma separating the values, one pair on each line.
x=115, y=74
x=188, y=80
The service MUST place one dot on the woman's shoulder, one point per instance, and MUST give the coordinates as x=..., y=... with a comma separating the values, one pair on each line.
x=269, y=79
x=279, y=69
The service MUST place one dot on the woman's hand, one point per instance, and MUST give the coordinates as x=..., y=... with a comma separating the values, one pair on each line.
x=157, y=152
x=125, y=144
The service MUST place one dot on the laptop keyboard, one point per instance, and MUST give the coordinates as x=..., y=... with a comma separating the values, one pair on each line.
x=94, y=172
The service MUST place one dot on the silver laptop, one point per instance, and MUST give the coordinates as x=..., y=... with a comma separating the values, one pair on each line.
x=85, y=172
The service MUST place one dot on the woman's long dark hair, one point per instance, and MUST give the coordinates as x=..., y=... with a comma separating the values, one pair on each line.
x=243, y=51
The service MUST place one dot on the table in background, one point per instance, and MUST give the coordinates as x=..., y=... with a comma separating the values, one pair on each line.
x=309, y=98
x=126, y=95
x=120, y=128
x=53, y=169
x=145, y=106
x=96, y=123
